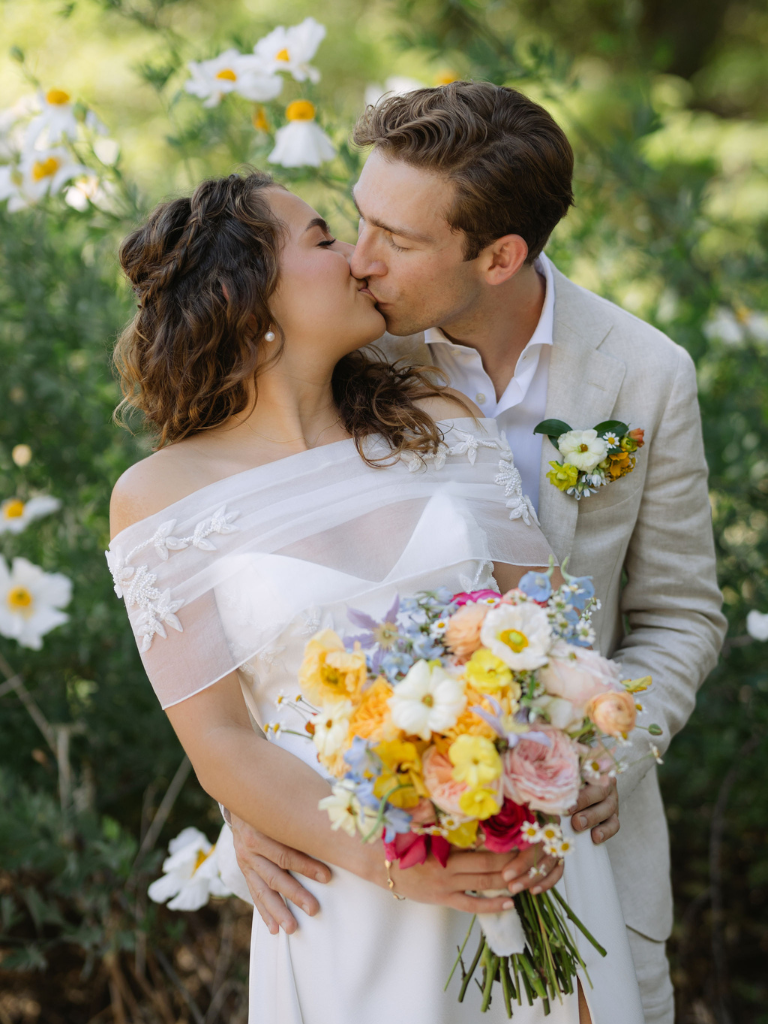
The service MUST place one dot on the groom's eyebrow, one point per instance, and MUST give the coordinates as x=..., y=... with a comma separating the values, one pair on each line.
x=391, y=228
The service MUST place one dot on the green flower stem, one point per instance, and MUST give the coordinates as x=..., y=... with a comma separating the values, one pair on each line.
x=492, y=963
x=458, y=958
x=506, y=986
x=582, y=928
x=468, y=976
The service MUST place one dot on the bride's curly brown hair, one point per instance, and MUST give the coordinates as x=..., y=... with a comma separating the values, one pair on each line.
x=203, y=269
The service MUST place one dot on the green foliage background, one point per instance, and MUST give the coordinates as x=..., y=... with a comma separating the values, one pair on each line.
x=665, y=105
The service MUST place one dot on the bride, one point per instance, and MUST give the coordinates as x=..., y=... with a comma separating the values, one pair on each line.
x=295, y=478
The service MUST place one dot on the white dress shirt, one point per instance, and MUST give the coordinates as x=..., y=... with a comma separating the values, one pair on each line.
x=524, y=401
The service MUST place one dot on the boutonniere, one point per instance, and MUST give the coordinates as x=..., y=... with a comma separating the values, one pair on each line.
x=591, y=458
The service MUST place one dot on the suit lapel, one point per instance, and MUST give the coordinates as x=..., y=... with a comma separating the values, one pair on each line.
x=582, y=389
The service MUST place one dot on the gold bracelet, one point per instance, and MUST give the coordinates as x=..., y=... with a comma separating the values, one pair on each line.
x=390, y=883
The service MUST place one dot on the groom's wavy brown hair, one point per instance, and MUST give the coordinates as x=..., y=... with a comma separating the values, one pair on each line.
x=510, y=162
x=203, y=269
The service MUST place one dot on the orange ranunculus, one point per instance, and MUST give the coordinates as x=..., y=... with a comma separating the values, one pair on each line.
x=372, y=719
x=613, y=713
x=463, y=632
x=621, y=464
x=638, y=436
x=469, y=722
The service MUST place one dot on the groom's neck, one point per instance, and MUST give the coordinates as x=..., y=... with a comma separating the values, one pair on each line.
x=500, y=324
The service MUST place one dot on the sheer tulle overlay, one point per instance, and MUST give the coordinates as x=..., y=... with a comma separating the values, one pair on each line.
x=239, y=575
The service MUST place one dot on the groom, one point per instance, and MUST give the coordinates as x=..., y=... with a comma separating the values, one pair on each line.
x=463, y=187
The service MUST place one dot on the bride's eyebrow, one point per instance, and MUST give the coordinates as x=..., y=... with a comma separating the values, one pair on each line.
x=400, y=232
x=318, y=222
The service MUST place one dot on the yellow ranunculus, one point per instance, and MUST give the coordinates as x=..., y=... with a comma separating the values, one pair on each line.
x=563, y=475
x=464, y=836
x=475, y=760
x=480, y=803
x=486, y=672
x=621, y=465
x=329, y=673
x=402, y=767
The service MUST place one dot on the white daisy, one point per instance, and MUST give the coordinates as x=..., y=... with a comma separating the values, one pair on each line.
x=232, y=71
x=30, y=602
x=190, y=874
x=531, y=832
x=519, y=634
x=301, y=142
x=56, y=120
x=16, y=515
x=582, y=448
x=428, y=700
x=43, y=172
x=291, y=49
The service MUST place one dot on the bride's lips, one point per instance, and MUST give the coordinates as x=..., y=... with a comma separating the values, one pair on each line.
x=366, y=291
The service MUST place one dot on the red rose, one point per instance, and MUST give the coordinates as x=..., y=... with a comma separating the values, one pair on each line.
x=410, y=848
x=502, y=831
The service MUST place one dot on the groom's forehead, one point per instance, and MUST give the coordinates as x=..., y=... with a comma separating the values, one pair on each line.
x=403, y=198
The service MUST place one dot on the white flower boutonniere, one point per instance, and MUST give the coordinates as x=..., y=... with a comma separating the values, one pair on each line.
x=591, y=458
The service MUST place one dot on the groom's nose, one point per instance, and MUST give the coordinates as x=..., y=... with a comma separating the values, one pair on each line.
x=365, y=262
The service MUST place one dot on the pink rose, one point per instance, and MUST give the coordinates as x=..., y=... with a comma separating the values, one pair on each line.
x=465, y=596
x=544, y=778
x=441, y=785
x=462, y=635
x=578, y=674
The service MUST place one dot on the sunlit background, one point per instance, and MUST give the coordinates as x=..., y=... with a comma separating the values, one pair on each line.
x=666, y=106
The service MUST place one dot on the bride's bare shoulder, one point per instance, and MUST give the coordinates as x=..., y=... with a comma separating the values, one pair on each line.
x=153, y=484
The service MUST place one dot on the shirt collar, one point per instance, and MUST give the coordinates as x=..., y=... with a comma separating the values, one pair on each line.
x=543, y=335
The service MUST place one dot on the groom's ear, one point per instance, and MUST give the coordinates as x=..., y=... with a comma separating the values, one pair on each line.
x=502, y=259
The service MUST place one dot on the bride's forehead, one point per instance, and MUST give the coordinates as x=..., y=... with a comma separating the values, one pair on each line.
x=291, y=209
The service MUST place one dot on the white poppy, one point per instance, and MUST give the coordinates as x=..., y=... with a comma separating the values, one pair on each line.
x=190, y=874
x=301, y=142
x=231, y=71
x=291, y=49
x=582, y=448
x=332, y=728
x=16, y=515
x=56, y=120
x=44, y=172
x=519, y=634
x=30, y=602
x=397, y=85
x=428, y=700
x=735, y=327
x=757, y=625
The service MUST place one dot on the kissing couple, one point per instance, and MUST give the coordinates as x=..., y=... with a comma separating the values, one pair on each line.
x=293, y=381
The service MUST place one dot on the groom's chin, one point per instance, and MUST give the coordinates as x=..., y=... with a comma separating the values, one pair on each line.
x=401, y=326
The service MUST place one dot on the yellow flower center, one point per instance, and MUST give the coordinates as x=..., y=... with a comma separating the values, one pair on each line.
x=428, y=699
x=202, y=858
x=19, y=599
x=300, y=110
x=330, y=675
x=227, y=74
x=583, y=447
x=514, y=639
x=446, y=77
x=14, y=509
x=259, y=120
x=57, y=97
x=283, y=55
x=45, y=168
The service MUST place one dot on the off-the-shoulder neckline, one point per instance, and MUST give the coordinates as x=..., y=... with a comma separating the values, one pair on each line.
x=335, y=445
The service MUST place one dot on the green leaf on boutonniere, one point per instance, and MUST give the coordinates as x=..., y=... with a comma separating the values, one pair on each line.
x=616, y=426
x=552, y=428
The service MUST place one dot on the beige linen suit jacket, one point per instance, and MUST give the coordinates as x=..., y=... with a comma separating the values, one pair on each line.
x=646, y=540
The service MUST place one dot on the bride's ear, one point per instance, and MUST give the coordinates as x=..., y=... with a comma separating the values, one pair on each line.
x=503, y=258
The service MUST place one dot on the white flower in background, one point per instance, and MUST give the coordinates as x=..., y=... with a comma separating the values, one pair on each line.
x=11, y=126
x=757, y=625
x=397, y=85
x=41, y=172
x=30, y=602
x=519, y=634
x=21, y=455
x=231, y=71
x=107, y=150
x=301, y=142
x=11, y=181
x=89, y=190
x=735, y=327
x=428, y=700
x=56, y=120
x=291, y=49
x=16, y=515
x=332, y=728
x=190, y=875
x=582, y=448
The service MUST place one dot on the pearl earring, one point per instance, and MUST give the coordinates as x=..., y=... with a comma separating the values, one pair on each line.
x=269, y=336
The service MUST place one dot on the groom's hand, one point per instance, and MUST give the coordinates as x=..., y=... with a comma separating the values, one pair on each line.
x=266, y=864
x=598, y=809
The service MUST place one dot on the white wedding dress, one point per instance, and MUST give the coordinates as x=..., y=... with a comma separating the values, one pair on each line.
x=238, y=576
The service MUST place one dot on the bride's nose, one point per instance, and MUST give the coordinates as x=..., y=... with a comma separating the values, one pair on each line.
x=345, y=249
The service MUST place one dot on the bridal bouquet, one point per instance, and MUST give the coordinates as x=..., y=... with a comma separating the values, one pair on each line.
x=472, y=720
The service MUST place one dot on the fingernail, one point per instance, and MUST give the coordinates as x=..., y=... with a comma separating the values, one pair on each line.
x=536, y=891
x=516, y=888
x=306, y=908
x=582, y=821
x=507, y=904
x=319, y=877
x=508, y=875
x=600, y=835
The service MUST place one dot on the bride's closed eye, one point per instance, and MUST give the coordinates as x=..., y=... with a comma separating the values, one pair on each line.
x=328, y=241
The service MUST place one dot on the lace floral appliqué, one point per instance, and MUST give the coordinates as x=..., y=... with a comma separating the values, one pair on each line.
x=137, y=584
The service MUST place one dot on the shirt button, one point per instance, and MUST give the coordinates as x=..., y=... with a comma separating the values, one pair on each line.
x=480, y=398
